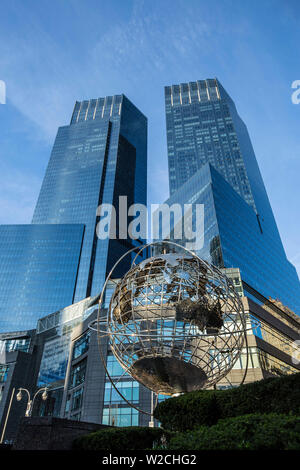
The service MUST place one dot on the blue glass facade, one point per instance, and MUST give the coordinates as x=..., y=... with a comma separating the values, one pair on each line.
x=203, y=127
x=115, y=410
x=38, y=271
x=232, y=237
x=100, y=156
x=58, y=259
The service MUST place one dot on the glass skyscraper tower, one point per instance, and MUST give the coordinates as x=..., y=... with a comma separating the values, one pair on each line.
x=99, y=157
x=211, y=161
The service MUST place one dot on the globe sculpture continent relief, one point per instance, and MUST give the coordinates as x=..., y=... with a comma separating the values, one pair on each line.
x=176, y=324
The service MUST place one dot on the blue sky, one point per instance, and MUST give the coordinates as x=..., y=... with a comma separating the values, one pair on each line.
x=53, y=52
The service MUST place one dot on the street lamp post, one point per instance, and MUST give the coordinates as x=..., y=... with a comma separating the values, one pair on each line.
x=7, y=415
x=30, y=401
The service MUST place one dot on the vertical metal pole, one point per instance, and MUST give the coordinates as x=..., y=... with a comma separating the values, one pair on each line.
x=117, y=415
x=151, y=422
x=7, y=414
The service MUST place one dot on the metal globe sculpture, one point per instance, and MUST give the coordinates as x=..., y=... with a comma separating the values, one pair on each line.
x=175, y=323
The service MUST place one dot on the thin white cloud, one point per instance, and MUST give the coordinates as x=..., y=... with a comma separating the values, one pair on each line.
x=150, y=43
x=43, y=79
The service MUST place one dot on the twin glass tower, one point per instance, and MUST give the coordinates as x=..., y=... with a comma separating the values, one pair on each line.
x=58, y=259
x=212, y=162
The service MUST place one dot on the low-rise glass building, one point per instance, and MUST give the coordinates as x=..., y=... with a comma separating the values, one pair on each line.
x=63, y=354
x=38, y=271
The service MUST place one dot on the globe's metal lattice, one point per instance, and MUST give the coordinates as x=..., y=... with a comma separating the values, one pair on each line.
x=175, y=323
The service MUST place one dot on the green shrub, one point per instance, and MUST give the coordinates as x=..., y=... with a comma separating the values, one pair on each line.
x=123, y=438
x=189, y=410
x=249, y=432
x=206, y=407
x=274, y=395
